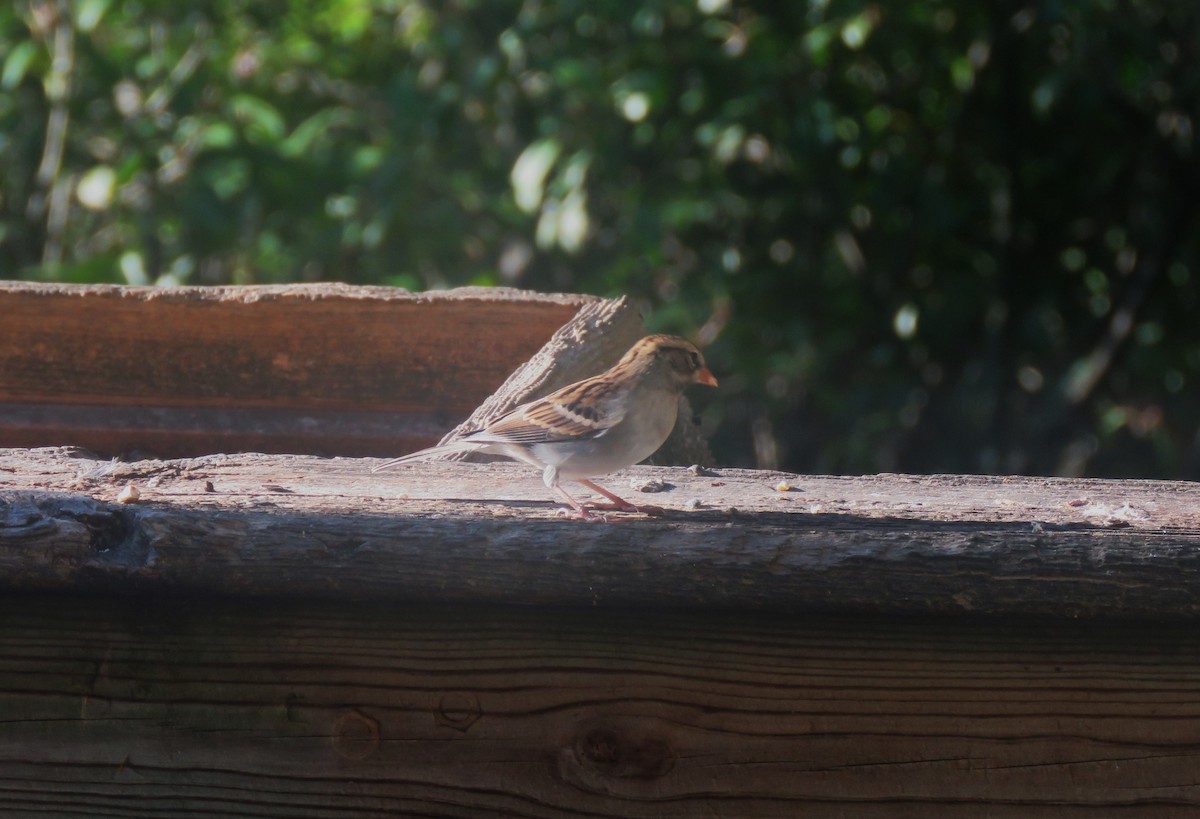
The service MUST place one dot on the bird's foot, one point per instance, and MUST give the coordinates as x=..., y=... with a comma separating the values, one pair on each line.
x=617, y=504
x=625, y=506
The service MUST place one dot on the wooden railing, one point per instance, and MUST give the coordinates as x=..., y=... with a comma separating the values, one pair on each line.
x=190, y=632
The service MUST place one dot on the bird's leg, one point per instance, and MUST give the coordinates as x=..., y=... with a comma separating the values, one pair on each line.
x=577, y=510
x=618, y=504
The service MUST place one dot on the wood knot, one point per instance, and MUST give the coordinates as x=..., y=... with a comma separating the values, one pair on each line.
x=458, y=710
x=624, y=752
x=355, y=735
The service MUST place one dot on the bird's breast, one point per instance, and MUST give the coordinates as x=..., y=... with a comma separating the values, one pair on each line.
x=639, y=434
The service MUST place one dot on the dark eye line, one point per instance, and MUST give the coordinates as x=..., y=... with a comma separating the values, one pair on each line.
x=692, y=357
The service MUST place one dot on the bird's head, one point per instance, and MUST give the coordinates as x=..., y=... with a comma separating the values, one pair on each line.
x=676, y=359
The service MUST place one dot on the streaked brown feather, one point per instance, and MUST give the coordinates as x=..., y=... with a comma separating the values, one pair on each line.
x=586, y=409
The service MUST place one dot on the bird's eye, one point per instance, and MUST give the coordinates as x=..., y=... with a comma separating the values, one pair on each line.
x=695, y=360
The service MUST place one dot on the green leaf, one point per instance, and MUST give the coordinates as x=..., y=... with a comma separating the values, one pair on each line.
x=88, y=13
x=264, y=122
x=16, y=64
x=528, y=175
x=304, y=135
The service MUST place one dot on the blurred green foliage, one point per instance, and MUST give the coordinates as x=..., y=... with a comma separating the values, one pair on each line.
x=940, y=236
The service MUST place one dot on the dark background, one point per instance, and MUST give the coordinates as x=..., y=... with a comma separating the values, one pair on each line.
x=939, y=236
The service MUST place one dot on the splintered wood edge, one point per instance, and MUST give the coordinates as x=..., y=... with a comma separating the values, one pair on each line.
x=266, y=292
x=589, y=343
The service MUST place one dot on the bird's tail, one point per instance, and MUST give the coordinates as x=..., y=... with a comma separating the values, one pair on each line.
x=432, y=453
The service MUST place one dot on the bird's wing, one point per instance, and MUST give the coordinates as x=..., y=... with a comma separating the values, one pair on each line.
x=587, y=409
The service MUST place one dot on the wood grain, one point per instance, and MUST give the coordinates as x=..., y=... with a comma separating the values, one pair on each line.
x=245, y=367
x=294, y=636
x=150, y=707
x=291, y=525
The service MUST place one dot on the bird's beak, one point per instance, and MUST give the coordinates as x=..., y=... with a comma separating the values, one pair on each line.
x=705, y=376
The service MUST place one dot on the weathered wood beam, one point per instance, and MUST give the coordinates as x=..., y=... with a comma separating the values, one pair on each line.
x=322, y=368
x=676, y=667
x=488, y=533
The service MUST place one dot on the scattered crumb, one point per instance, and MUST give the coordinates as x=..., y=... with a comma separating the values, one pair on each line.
x=692, y=504
x=783, y=486
x=701, y=471
x=1078, y=502
x=649, y=485
x=208, y=487
x=129, y=494
x=1036, y=527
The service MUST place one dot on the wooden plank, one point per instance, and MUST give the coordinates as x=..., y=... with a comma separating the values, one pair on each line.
x=257, y=363
x=150, y=707
x=284, y=525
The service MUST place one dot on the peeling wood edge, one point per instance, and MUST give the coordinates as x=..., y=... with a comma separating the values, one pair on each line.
x=587, y=344
x=250, y=293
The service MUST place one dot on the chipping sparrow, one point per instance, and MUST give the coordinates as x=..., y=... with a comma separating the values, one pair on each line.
x=595, y=426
